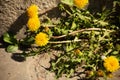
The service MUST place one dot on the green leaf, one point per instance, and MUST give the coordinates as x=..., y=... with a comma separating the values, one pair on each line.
x=6, y=38
x=28, y=40
x=63, y=31
x=76, y=38
x=103, y=23
x=69, y=47
x=9, y=38
x=73, y=25
x=71, y=71
x=83, y=17
x=117, y=47
x=115, y=52
x=50, y=33
x=68, y=2
x=66, y=65
x=12, y=48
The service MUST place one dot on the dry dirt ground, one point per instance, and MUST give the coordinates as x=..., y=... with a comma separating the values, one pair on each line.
x=12, y=67
x=33, y=68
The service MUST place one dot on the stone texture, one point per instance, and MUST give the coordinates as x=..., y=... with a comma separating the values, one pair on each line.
x=13, y=13
x=33, y=68
x=14, y=70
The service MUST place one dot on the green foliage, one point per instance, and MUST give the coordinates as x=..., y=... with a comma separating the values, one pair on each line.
x=97, y=38
x=28, y=40
x=68, y=2
x=9, y=38
x=12, y=48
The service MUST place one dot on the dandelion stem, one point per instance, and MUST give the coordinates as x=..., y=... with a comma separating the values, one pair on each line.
x=47, y=25
x=67, y=41
x=74, y=32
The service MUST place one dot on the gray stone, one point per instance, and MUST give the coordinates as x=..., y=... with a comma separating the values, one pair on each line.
x=13, y=13
x=14, y=70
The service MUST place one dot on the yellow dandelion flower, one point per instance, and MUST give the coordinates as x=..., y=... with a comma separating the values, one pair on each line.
x=33, y=24
x=110, y=75
x=32, y=11
x=89, y=73
x=41, y=39
x=111, y=63
x=80, y=3
x=100, y=73
x=77, y=51
x=46, y=29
